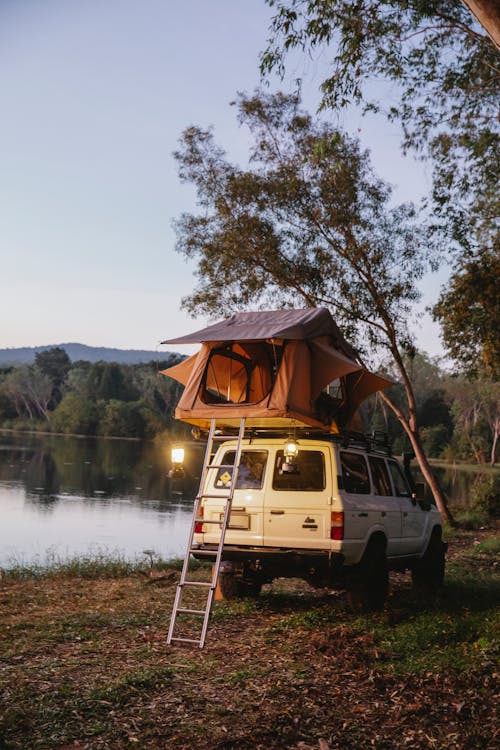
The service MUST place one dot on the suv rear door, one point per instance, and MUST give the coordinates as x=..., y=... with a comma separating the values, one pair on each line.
x=297, y=505
x=245, y=524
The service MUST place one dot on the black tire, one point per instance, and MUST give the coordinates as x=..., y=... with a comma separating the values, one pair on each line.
x=368, y=586
x=428, y=574
x=233, y=586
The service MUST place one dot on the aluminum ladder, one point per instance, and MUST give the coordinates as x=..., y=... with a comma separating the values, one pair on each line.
x=184, y=583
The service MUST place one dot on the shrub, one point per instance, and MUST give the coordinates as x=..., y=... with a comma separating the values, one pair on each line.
x=485, y=496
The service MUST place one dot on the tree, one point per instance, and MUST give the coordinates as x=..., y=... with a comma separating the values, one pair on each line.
x=55, y=364
x=475, y=407
x=307, y=222
x=469, y=313
x=76, y=415
x=444, y=71
x=30, y=390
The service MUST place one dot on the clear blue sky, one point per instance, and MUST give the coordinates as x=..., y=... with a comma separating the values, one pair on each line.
x=94, y=96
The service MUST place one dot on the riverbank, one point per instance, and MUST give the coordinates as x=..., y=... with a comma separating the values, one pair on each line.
x=85, y=665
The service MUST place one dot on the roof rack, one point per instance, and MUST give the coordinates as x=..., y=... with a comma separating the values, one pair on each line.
x=376, y=442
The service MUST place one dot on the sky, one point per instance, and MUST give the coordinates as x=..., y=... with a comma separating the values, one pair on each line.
x=94, y=98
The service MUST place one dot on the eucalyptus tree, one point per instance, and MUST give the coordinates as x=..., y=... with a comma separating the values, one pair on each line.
x=469, y=313
x=443, y=76
x=306, y=222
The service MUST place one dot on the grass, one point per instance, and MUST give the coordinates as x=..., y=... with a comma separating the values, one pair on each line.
x=85, y=665
x=99, y=564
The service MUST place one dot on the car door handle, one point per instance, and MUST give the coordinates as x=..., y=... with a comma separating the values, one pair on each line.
x=277, y=512
x=363, y=515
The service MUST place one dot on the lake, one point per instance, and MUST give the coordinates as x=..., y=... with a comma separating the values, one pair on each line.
x=64, y=496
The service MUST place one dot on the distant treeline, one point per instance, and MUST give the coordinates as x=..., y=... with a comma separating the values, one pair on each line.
x=25, y=355
x=89, y=398
x=459, y=416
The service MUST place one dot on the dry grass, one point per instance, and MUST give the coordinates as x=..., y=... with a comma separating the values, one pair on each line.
x=84, y=664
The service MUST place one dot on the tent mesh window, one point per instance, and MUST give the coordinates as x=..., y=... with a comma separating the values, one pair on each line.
x=240, y=373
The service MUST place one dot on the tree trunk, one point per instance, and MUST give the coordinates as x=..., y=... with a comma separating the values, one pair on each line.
x=425, y=467
x=494, y=447
x=429, y=475
x=487, y=13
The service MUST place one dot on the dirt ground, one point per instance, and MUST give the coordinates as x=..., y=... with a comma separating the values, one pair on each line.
x=85, y=666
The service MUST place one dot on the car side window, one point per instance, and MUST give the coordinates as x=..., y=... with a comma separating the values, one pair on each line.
x=250, y=471
x=355, y=475
x=401, y=487
x=380, y=477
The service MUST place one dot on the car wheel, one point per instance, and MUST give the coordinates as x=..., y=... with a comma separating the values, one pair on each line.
x=369, y=584
x=233, y=586
x=428, y=573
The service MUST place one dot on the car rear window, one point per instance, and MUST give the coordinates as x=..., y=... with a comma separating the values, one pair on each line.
x=355, y=475
x=310, y=476
x=250, y=472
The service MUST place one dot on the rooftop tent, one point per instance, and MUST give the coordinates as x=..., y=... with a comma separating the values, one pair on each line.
x=272, y=367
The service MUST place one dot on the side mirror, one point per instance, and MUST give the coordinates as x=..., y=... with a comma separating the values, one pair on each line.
x=419, y=495
x=419, y=490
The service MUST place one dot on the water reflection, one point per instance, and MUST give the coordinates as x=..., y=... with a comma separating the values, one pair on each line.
x=69, y=493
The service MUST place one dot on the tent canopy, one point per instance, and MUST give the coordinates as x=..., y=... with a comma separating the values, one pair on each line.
x=289, y=325
x=272, y=368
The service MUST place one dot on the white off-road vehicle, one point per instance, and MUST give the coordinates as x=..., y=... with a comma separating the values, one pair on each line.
x=340, y=512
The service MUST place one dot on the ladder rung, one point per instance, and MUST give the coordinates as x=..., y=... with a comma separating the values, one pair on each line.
x=205, y=520
x=187, y=640
x=214, y=497
x=221, y=466
x=197, y=583
x=185, y=611
x=224, y=437
x=195, y=551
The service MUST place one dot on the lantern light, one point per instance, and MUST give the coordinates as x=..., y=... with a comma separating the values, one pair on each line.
x=177, y=470
x=290, y=453
x=177, y=455
x=291, y=449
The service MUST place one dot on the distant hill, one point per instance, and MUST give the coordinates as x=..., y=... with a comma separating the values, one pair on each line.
x=26, y=355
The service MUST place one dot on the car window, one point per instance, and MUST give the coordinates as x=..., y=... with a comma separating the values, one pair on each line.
x=380, y=477
x=401, y=487
x=310, y=476
x=250, y=472
x=355, y=473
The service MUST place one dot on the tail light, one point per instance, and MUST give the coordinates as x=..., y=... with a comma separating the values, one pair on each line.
x=198, y=527
x=337, y=525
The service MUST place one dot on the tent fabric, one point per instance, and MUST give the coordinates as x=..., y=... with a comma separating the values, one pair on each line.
x=271, y=324
x=277, y=380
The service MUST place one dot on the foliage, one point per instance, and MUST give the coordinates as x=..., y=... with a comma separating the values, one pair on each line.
x=476, y=415
x=76, y=415
x=309, y=222
x=30, y=391
x=102, y=398
x=486, y=495
x=469, y=313
x=434, y=439
x=441, y=65
x=122, y=419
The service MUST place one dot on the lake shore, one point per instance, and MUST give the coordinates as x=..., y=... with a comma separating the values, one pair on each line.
x=86, y=666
